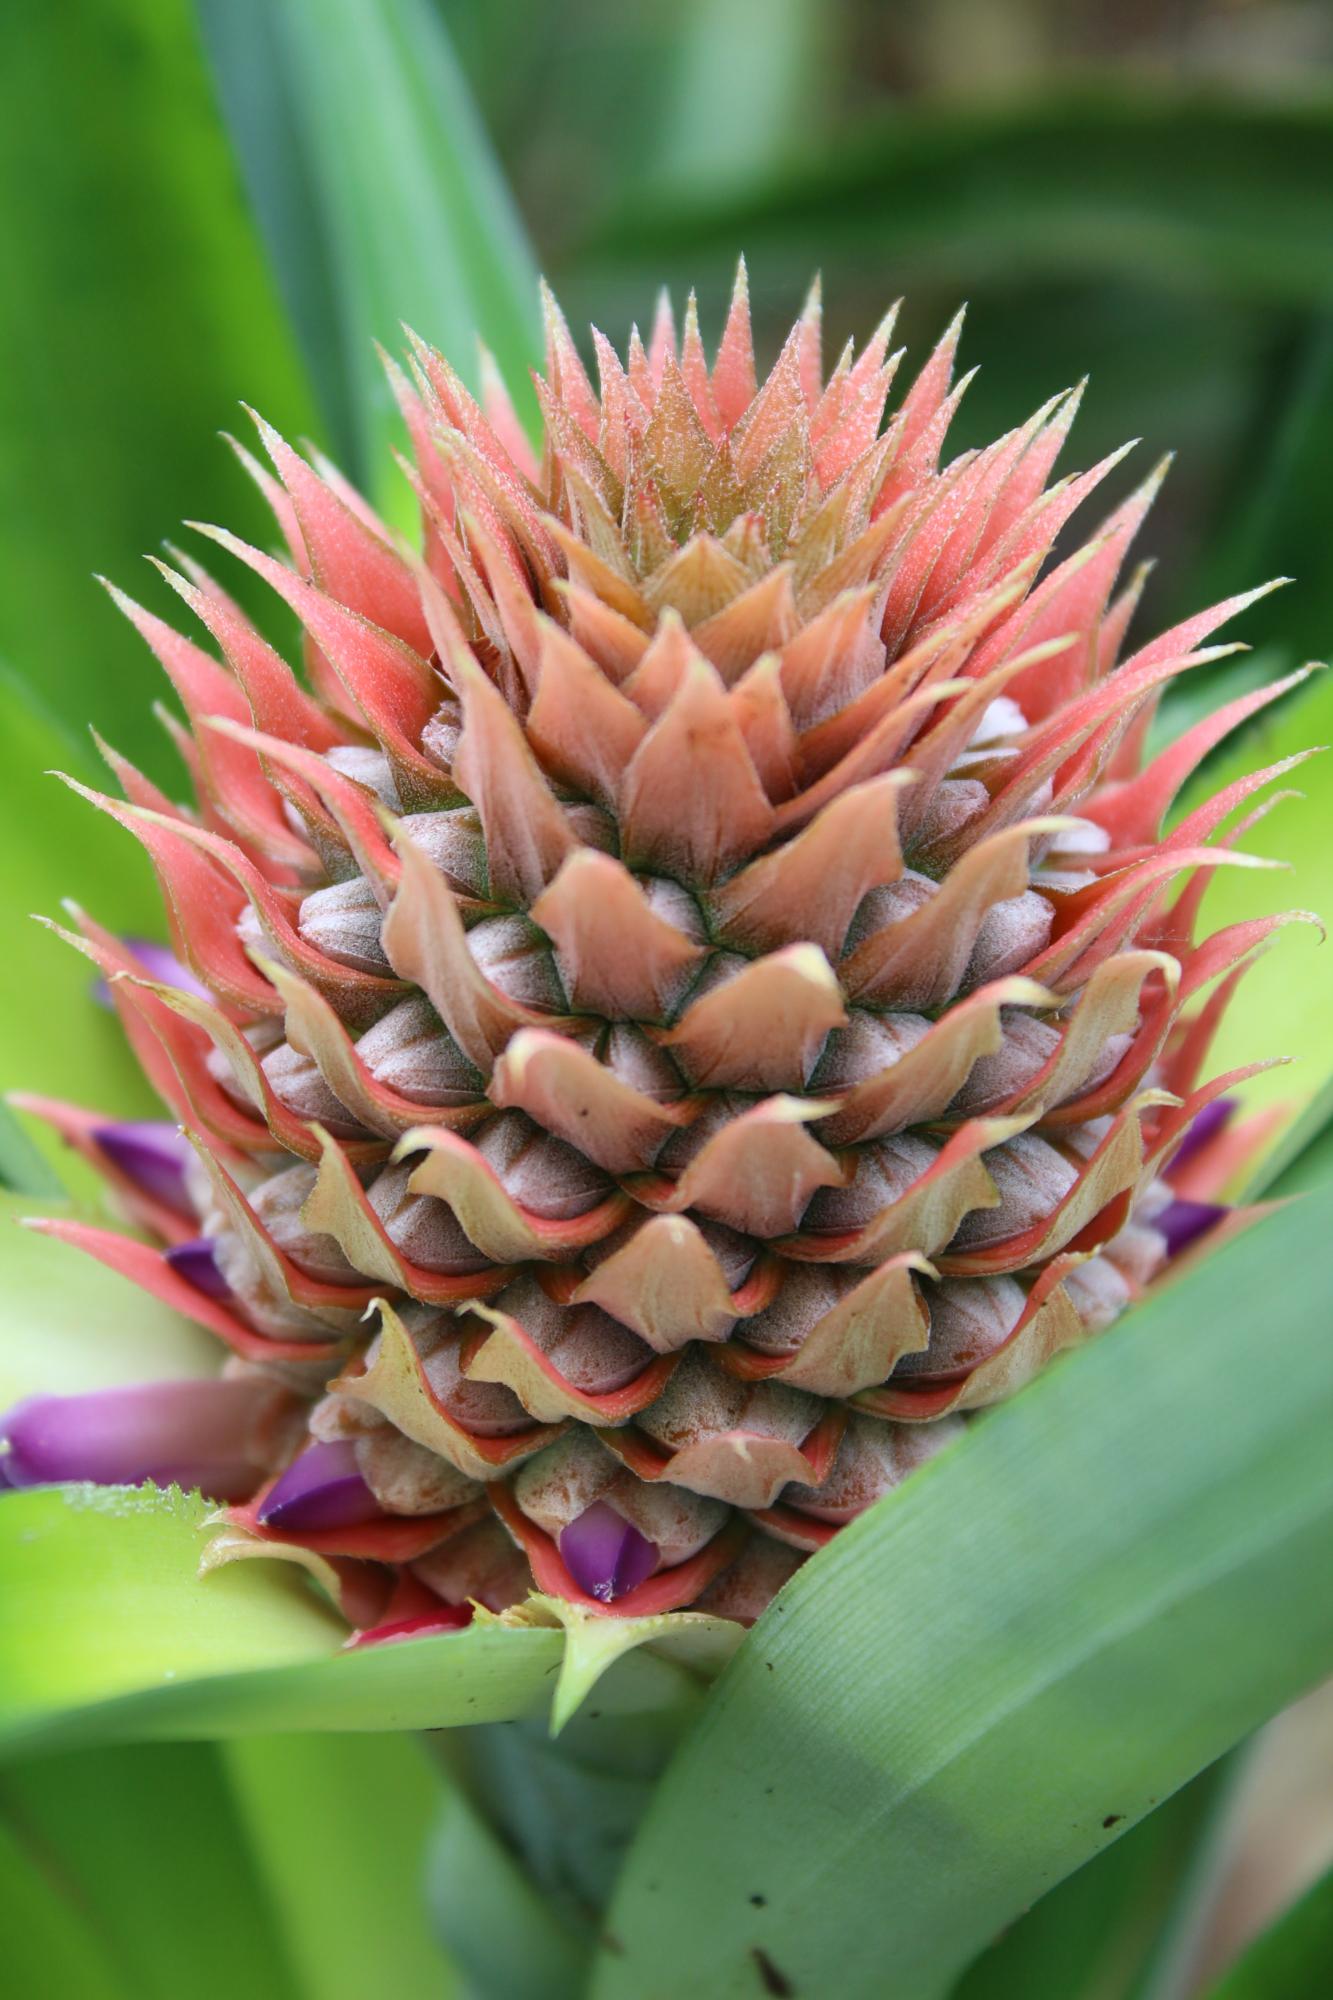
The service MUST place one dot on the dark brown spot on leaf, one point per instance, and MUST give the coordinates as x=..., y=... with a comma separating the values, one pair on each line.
x=775, y=1981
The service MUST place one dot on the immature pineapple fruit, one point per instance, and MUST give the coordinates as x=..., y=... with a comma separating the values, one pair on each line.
x=692, y=1002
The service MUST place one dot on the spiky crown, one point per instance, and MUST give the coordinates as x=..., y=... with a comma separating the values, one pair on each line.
x=699, y=957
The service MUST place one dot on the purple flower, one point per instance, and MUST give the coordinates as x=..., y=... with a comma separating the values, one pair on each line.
x=196, y=1262
x=323, y=1488
x=195, y=1433
x=1184, y=1222
x=153, y=1155
x=1205, y=1126
x=605, y=1554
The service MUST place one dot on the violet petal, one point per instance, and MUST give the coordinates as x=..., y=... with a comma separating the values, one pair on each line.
x=192, y=1433
x=196, y=1262
x=1184, y=1222
x=152, y=1154
x=1205, y=1125
x=323, y=1488
x=161, y=964
x=605, y=1554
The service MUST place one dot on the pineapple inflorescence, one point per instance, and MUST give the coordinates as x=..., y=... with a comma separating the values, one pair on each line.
x=686, y=998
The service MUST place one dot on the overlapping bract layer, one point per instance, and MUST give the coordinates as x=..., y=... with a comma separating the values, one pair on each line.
x=700, y=997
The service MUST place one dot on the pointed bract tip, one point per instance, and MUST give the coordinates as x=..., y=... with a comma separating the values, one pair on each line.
x=244, y=456
x=953, y=332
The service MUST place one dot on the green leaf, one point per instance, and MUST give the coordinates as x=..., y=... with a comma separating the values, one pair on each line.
x=1291, y=1960
x=111, y=1635
x=139, y=1860
x=289, y=1869
x=138, y=311
x=506, y=1935
x=50, y=1943
x=378, y=192
x=338, y=1827
x=1001, y=1667
x=1094, y=1934
x=566, y=1807
x=99, y=1608
x=68, y=1324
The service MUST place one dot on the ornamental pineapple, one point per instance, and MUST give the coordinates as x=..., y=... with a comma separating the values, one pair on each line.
x=685, y=1000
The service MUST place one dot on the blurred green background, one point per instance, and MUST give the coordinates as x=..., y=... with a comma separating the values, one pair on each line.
x=208, y=200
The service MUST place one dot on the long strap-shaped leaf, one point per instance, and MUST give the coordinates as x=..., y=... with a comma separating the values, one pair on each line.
x=1098, y=1933
x=1012, y=1659
x=137, y=309
x=150, y=1871
x=379, y=195
x=106, y=1635
x=130, y=1875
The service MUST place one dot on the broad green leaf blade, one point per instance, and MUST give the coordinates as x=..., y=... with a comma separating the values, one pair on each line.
x=247, y=51
x=505, y=1935
x=566, y=1808
x=137, y=311
x=50, y=1944
x=338, y=1826
x=1093, y=1936
x=146, y=1866
x=1013, y=1657
x=109, y=1635
x=1166, y=1975
x=98, y=1608
x=69, y=1324
x=380, y=197
x=1293, y=1959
